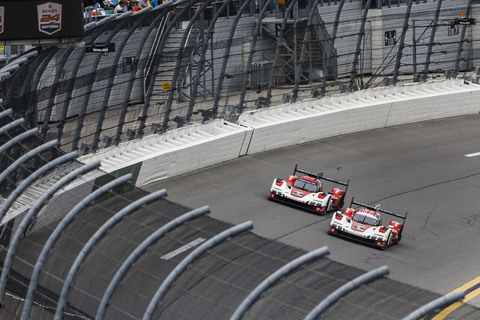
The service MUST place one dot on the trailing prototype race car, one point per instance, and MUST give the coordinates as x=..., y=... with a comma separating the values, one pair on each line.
x=306, y=191
x=365, y=225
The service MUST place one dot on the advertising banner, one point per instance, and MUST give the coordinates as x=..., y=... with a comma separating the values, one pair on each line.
x=32, y=20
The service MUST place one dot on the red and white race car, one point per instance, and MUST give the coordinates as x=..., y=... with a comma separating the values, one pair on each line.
x=306, y=191
x=365, y=225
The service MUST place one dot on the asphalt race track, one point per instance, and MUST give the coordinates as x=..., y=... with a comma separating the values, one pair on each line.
x=420, y=168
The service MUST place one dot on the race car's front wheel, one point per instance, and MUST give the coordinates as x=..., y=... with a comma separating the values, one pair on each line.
x=389, y=240
x=382, y=245
x=320, y=210
x=331, y=230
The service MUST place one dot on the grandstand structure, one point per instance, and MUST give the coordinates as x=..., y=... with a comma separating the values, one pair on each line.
x=187, y=62
x=106, y=249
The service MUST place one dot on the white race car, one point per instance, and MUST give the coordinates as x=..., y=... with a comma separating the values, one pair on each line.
x=306, y=191
x=365, y=225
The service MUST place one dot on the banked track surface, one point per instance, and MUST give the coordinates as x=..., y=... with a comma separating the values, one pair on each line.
x=421, y=168
x=213, y=287
x=408, y=168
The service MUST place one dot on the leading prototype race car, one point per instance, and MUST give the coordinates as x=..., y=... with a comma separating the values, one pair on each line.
x=306, y=191
x=365, y=225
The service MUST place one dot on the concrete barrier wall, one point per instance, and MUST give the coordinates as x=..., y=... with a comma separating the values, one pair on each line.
x=298, y=123
x=191, y=157
x=307, y=128
x=177, y=152
x=191, y=148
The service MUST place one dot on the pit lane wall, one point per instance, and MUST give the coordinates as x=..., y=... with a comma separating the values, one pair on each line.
x=195, y=147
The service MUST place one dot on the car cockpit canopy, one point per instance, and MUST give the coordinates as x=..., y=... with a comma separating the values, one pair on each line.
x=367, y=218
x=308, y=185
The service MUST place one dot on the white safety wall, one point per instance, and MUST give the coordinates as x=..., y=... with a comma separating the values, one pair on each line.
x=192, y=148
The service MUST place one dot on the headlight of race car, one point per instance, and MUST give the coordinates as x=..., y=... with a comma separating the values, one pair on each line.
x=277, y=192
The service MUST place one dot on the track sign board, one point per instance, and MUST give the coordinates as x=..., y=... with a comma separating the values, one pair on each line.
x=33, y=20
x=2, y=12
x=49, y=17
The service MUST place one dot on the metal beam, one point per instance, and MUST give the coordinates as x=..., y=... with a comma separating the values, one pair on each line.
x=51, y=101
x=432, y=39
x=435, y=304
x=401, y=44
x=34, y=152
x=99, y=234
x=5, y=113
x=107, y=37
x=200, y=73
x=278, y=46
x=256, y=33
x=133, y=257
x=226, y=55
x=31, y=178
x=33, y=73
x=356, y=54
x=185, y=263
x=11, y=125
x=306, y=39
x=63, y=224
x=119, y=48
x=24, y=135
x=274, y=277
x=345, y=289
x=331, y=49
x=76, y=81
x=29, y=217
x=462, y=38
x=171, y=23
x=199, y=14
x=132, y=78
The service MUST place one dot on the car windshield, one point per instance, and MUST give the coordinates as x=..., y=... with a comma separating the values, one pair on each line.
x=307, y=185
x=366, y=219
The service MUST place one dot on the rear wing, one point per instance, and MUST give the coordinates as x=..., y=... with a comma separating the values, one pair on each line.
x=404, y=217
x=311, y=174
x=320, y=176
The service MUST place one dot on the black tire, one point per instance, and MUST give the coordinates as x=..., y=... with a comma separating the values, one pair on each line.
x=328, y=203
x=342, y=202
x=399, y=236
x=389, y=239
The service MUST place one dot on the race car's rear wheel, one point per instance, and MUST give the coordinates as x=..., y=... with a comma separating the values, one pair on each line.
x=342, y=202
x=399, y=237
